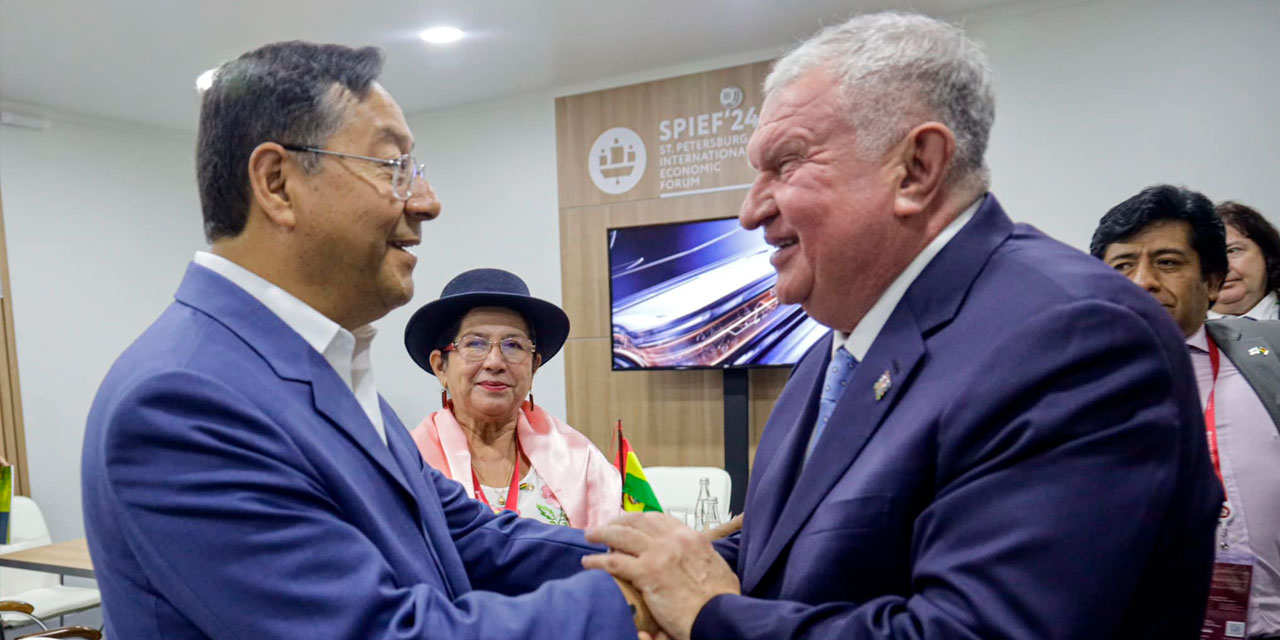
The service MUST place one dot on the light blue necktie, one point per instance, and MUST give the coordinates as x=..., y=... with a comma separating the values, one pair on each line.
x=838, y=374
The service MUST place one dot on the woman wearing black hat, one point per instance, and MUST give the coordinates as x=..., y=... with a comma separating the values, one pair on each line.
x=484, y=339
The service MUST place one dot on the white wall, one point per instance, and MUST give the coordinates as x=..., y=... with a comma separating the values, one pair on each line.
x=1095, y=101
x=100, y=219
x=494, y=170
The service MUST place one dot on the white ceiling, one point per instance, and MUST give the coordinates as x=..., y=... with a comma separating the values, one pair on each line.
x=137, y=60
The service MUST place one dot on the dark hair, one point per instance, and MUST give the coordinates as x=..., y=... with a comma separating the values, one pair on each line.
x=451, y=332
x=285, y=92
x=1253, y=226
x=1167, y=202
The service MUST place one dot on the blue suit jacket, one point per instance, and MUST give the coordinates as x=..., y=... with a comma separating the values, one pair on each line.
x=234, y=488
x=1036, y=468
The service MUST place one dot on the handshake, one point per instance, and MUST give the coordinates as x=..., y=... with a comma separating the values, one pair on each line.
x=666, y=571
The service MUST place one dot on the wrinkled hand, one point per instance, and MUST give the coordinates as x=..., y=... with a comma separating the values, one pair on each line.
x=673, y=566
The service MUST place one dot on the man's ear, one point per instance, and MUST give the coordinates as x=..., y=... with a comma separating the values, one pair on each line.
x=270, y=168
x=926, y=155
x=1214, y=284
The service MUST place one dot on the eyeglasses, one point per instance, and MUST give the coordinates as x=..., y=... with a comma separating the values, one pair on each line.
x=476, y=348
x=407, y=168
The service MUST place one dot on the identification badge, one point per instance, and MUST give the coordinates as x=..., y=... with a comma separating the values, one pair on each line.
x=1227, y=615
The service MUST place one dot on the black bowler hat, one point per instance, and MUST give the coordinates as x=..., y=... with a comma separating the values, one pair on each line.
x=483, y=288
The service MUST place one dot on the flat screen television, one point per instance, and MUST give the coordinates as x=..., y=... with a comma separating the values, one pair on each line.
x=699, y=295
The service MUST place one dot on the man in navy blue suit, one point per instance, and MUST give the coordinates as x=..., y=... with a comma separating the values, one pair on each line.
x=1001, y=438
x=241, y=476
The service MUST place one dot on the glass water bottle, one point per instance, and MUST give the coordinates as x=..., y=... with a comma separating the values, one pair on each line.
x=703, y=504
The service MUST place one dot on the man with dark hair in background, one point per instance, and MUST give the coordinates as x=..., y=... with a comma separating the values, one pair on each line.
x=1169, y=241
x=241, y=476
x=1000, y=439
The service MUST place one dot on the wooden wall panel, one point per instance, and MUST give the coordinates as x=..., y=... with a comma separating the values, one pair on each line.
x=766, y=386
x=643, y=108
x=13, y=441
x=674, y=418
x=670, y=417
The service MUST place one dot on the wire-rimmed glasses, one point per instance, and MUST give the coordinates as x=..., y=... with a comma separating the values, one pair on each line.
x=407, y=168
x=477, y=348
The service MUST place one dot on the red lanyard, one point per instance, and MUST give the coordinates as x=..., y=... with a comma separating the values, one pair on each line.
x=1210, y=420
x=513, y=494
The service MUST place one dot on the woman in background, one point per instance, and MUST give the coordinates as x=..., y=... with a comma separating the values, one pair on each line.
x=484, y=339
x=1252, y=286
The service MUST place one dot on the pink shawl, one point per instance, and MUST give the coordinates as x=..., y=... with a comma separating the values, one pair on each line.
x=582, y=480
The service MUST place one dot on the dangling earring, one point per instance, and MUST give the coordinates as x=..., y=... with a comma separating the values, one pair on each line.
x=531, y=405
x=445, y=402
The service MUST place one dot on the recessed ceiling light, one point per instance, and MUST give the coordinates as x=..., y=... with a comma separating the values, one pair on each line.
x=441, y=35
x=205, y=80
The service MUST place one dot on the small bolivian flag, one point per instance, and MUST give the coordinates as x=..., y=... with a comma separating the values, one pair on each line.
x=637, y=495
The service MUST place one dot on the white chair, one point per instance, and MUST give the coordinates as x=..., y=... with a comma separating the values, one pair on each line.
x=43, y=591
x=677, y=487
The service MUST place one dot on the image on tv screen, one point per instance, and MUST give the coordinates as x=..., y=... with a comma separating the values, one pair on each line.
x=700, y=295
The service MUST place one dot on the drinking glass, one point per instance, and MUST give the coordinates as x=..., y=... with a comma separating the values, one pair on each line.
x=682, y=514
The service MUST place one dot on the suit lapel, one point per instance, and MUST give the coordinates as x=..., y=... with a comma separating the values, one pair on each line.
x=857, y=415
x=334, y=400
x=1253, y=355
x=779, y=455
x=405, y=453
x=900, y=348
x=288, y=355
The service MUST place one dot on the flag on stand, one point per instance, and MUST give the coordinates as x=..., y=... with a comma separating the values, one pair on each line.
x=6, y=498
x=637, y=495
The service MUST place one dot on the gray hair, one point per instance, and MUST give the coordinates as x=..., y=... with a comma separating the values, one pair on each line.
x=897, y=70
x=287, y=92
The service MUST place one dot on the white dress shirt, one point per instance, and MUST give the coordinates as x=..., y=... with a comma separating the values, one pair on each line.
x=858, y=342
x=346, y=351
x=1268, y=308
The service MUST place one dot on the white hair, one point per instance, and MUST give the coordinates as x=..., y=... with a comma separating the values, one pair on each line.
x=896, y=71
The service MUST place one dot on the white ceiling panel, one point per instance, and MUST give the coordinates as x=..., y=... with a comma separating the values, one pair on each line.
x=137, y=60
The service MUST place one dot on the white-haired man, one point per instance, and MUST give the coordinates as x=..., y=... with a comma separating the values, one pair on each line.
x=1001, y=438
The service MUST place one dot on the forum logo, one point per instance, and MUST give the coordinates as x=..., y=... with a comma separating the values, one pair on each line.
x=616, y=161
x=731, y=96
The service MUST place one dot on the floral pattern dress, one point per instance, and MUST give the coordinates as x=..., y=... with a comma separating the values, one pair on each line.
x=536, y=500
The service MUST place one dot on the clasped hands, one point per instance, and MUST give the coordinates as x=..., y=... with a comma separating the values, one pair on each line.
x=674, y=569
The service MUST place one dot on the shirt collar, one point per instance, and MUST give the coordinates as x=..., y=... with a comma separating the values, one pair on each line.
x=859, y=341
x=1199, y=340
x=327, y=337
x=1267, y=308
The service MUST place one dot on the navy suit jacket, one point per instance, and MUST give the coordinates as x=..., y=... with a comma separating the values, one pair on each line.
x=234, y=488
x=1036, y=468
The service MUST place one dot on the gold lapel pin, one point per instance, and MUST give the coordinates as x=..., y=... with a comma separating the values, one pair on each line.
x=1259, y=351
x=882, y=385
